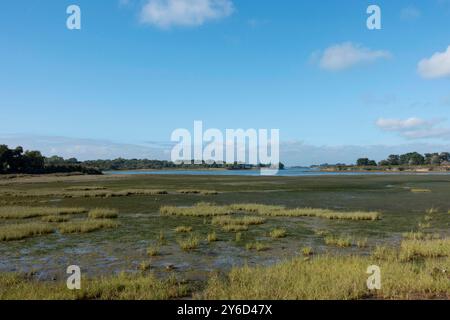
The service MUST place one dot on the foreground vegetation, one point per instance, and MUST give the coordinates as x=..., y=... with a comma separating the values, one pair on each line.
x=331, y=277
x=121, y=287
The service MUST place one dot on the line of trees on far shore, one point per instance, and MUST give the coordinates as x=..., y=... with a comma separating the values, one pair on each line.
x=411, y=158
x=14, y=161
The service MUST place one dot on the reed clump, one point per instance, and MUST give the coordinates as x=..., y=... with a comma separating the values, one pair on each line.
x=86, y=226
x=201, y=209
x=11, y=232
x=103, y=213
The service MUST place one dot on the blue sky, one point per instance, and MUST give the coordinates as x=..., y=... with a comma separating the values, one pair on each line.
x=139, y=69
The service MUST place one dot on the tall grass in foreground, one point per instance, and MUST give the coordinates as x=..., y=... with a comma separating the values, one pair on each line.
x=86, y=226
x=12, y=232
x=410, y=249
x=18, y=212
x=121, y=287
x=101, y=213
x=331, y=277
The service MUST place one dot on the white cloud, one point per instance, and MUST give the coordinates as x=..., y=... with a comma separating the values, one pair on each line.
x=167, y=13
x=410, y=13
x=398, y=124
x=346, y=55
x=414, y=128
x=437, y=66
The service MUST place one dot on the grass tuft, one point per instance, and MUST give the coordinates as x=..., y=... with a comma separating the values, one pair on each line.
x=86, y=226
x=278, y=233
x=183, y=229
x=101, y=213
x=34, y=212
x=190, y=243
x=21, y=231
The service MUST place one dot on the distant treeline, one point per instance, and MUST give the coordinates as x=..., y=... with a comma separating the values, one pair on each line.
x=411, y=159
x=13, y=161
x=142, y=164
x=16, y=161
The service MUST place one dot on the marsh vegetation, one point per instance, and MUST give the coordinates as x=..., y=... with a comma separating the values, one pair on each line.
x=275, y=238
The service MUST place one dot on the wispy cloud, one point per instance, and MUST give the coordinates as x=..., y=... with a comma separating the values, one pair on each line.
x=346, y=55
x=83, y=149
x=437, y=66
x=188, y=13
x=415, y=128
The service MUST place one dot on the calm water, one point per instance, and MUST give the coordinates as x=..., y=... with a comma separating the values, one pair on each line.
x=289, y=172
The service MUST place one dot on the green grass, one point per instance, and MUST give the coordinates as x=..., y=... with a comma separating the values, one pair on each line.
x=258, y=246
x=190, y=243
x=418, y=190
x=420, y=235
x=153, y=251
x=234, y=228
x=280, y=211
x=11, y=232
x=276, y=199
x=244, y=221
x=424, y=225
x=307, y=251
x=411, y=249
x=361, y=242
x=86, y=226
x=211, y=237
x=338, y=241
x=121, y=287
x=183, y=229
x=199, y=210
x=278, y=233
x=144, y=266
x=330, y=277
x=85, y=188
x=19, y=212
x=54, y=219
x=101, y=213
